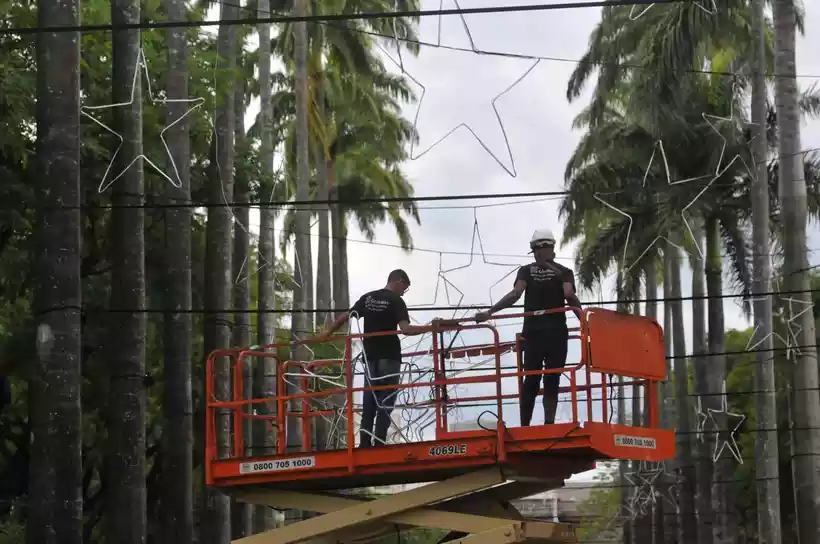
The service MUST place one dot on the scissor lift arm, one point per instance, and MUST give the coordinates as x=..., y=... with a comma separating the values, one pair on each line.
x=450, y=504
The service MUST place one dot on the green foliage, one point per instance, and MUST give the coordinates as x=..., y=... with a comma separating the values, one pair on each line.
x=599, y=511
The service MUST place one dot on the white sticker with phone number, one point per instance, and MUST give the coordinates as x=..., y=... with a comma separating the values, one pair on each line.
x=278, y=464
x=636, y=442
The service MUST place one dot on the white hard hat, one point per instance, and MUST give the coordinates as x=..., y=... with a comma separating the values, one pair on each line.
x=542, y=236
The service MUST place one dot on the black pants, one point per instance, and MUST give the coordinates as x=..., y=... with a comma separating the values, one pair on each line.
x=544, y=348
x=378, y=404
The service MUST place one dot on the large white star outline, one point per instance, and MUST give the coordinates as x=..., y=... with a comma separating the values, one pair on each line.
x=415, y=155
x=657, y=148
x=721, y=442
x=142, y=65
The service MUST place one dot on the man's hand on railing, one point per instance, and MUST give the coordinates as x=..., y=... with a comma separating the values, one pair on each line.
x=440, y=323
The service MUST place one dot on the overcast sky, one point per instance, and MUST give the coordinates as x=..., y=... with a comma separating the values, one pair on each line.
x=537, y=118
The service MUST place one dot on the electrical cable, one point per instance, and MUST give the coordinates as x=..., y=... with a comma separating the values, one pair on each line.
x=519, y=56
x=359, y=16
x=92, y=309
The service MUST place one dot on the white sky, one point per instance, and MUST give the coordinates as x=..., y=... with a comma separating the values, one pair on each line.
x=537, y=118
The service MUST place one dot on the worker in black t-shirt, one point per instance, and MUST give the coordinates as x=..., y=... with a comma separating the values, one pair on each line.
x=545, y=285
x=382, y=310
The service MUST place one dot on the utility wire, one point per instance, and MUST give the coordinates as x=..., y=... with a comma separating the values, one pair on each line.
x=358, y=16
x=422, y=308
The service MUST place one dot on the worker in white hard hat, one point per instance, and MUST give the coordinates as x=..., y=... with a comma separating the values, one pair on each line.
x=546, y=285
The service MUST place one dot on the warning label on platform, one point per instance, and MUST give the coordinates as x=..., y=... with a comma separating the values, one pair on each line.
x=636, y=442
x=278, y=464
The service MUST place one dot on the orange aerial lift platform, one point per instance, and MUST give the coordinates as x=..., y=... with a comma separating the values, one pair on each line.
x=470, y=476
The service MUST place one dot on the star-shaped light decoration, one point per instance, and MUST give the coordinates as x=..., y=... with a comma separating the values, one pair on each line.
x=710, y=9
x=647, y=476
x=638, y=501
x=195, y=103
x=657, y=149
x=628, y=230
x=700, y=420
x=415, y=155
x=726, y=437
x=795, y=328
x=477, y=243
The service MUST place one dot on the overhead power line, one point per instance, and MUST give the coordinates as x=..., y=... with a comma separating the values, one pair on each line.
x=449, y=308
x=359, y=16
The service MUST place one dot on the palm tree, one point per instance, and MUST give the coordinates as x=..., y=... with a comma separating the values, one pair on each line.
x=216, y=525
x=345, y=49
x=767, y=455
x=126, y=515
x=793, y=202
x=367, y=139
x=264, y=371
x=241, y=513
x=55, y=512
x=177, y=493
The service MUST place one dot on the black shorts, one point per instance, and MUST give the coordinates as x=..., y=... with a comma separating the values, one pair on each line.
x=546, y=347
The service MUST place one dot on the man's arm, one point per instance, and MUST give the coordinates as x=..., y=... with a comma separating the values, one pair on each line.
x=336, y=325
x=570, y=296
x=403, y=319
x=408, y=329
x=506, y=301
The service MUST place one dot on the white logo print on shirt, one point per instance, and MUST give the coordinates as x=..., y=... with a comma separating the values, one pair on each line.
x=375, y=304
x=540, y=274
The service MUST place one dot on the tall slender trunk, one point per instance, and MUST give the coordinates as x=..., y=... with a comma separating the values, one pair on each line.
x=767, y=454
x=627, y=489
x=55, y=513
x=642, y=532
x=177, y=491
x=341, y=293
x=665, y=521
x=216, y=523
x=637, y=421
x=703, y=464
x=323, y=272
x=724, y=529
x=241, y=522
x=686, y=470
x=265, y=370
x=125, y=505
x=302, y=273
x=804, y=383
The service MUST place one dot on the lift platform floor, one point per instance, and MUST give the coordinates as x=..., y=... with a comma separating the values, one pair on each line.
x=536, y=453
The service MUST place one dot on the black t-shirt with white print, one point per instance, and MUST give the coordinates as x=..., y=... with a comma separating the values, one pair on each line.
x=382, y=310
x=545, y=291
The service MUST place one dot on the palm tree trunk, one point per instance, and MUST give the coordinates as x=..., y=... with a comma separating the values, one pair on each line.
x=804, y=385
x=637, y=421
x=241, y=522
x=703, y=465
x=55, y=511
x=767, y=455
x=643, y=525
x=125, y=513
x=623, y=466
x=265, y=370
x=686, y=470
x=216, y=523
x=724, y=529
x=300, y=325
x=177, y=493
x=665, y=514
x=323, y=273
x=341, y=298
